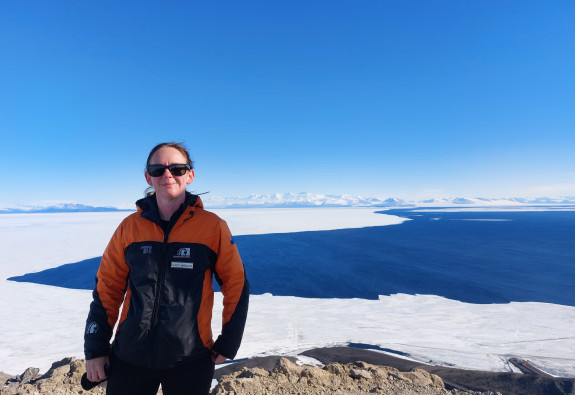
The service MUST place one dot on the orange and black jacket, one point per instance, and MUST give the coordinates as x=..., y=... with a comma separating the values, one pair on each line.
x=162, y=274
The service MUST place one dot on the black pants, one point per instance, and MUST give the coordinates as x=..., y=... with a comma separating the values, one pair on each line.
x=190, y=378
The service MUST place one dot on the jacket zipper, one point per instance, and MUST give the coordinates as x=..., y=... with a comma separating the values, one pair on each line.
x=158, y=299
x=161, y=278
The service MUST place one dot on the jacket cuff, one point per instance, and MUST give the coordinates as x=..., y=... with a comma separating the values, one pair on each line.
x=100, y=352
x=227, y=350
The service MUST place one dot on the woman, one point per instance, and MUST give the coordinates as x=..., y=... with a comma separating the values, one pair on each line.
x=158, y=266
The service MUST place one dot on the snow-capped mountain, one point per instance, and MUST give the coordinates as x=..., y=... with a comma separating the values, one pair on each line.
x=302, y=199
x=61, y=207
x=305, y=199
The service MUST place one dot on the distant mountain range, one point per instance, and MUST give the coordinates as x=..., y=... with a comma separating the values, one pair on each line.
x=58, y=208
x=304, y=199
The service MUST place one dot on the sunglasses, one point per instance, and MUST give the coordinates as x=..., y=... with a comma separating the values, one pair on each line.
x=177, y=170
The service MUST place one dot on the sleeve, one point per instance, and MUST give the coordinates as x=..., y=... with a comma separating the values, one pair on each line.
x=108, y=294
x=230, y=274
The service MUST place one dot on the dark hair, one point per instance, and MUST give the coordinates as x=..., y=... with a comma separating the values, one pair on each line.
x=178, y=146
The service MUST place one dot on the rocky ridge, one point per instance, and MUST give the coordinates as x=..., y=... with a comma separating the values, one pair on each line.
x=63, y=378
x=334, y=379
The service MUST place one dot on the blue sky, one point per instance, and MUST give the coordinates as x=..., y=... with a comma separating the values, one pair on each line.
x=407, y=99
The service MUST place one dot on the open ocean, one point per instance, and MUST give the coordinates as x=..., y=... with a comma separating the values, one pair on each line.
x=475, y=257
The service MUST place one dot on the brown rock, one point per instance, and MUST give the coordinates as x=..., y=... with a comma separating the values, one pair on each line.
x=285, y=378
x=422, y=378
x=63, y=378
x=335, y=379
x=360, y=374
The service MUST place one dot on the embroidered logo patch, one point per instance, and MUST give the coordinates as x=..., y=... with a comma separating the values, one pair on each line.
x=146, y=249
x=183, y=253
x=92, y=328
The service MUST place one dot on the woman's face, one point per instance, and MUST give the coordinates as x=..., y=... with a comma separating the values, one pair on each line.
x=168, y=186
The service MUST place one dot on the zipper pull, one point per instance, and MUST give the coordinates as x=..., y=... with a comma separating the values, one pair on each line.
x=191, y=215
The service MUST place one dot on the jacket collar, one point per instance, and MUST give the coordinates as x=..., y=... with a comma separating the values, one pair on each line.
x=148, y=207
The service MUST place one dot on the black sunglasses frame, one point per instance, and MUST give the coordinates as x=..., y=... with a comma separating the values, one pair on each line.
x=177, y=169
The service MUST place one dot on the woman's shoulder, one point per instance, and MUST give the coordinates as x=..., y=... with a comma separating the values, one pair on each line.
x=129, y=221
x=207, y=215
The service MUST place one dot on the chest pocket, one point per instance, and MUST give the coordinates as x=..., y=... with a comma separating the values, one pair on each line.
x=186, y=266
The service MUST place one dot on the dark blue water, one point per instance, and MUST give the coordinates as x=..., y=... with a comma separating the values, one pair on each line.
x=476, y=257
